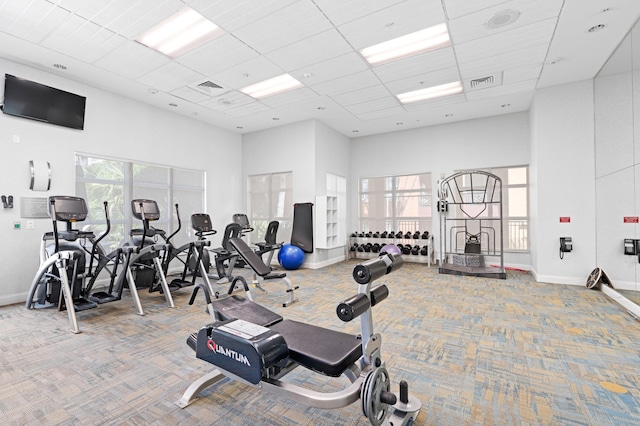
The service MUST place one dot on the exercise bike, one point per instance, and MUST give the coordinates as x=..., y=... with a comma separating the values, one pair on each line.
x=66, y=261
x=253, y=345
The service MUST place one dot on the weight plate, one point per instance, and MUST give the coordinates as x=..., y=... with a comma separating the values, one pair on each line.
x=594, y=278
x=377, y=381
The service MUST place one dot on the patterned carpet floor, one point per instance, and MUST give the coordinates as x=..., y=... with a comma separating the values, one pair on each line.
x=475, y=351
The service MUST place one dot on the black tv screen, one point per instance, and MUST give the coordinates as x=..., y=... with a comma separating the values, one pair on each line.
x=28, y=99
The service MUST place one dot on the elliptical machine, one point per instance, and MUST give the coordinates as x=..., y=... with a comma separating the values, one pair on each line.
x=66, y=262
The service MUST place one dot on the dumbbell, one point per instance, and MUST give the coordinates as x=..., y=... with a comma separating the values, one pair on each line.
x=399, y=234
x=368, y=234
x=376, y=235
x=416, y=235
x=354, y=247
x=354, y=235
x=406, y=249
x=367, y=247
x=415, y=250
x=360, y=248
x=361, y=234
x=408, y=234
x=425, y=235
x=383, y=235
x=375, y=248
x=425, y=250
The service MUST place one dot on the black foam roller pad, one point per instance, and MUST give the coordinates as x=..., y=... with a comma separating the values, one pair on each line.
x=353, y=307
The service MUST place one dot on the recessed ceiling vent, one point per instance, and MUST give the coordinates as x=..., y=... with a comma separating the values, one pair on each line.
x=207, y=87
x=485, y=82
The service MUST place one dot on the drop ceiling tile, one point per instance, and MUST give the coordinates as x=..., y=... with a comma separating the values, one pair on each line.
x=331, y=69
x=505, y=89
x=140, y=16
x=388, y=112
x=343, y=11
x=83, y=40
x=423, y=81
x=293, y=23
x=529, y=57
x=457, y=8
x=507, y=41
x=247, y=110
x=517, y=75
x=374, y=105
x=394, y=21
x=189, y=94
x=292, y=97
x=473, y=26
x=229, y=100
x=362, y=95
x=314, y=49
x=35, y=21
x=232, y=15
x=347, y=83
x=132, y=60
x=170, y=76
x=416, y=65
x=435, y=103
x=249, y=72
x=220, y=54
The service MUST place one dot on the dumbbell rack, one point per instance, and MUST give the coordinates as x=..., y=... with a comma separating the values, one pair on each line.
x=417, y=258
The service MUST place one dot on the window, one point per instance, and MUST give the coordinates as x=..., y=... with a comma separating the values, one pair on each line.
x=119, y=181
x=395, y=203
x=270, y=197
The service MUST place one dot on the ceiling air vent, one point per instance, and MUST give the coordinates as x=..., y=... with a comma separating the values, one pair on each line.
x=485, y=82
x=207, y=87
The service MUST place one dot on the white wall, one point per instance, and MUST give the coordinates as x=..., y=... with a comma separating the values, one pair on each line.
x=115, y=127
x=488, y=142
x=563, y=140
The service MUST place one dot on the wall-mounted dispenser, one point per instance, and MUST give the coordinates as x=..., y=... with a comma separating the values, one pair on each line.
x=566, y=245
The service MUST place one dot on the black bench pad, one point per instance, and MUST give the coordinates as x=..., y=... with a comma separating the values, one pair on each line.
x=320, y=349
x=240, y=308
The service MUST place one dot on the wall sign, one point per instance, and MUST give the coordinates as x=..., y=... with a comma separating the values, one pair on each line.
x=565, y=219
x=631, y=219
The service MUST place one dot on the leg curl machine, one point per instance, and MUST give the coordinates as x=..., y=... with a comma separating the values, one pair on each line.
x=253, y=345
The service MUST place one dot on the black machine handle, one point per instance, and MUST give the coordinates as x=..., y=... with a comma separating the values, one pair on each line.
x=360, y=303
x=52, y=201
x=97, y=242
x=168, y=239
x=371, y=270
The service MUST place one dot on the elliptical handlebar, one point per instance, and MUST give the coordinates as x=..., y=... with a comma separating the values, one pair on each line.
x=96, y=243
x=168, y=239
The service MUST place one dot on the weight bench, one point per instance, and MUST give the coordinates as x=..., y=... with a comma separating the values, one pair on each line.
x=253, y=345
x=262, y=270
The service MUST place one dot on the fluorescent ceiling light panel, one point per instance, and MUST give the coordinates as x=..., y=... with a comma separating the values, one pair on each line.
x=180, y=33
x=431, y=92
x=273, y=86
x=431, y=38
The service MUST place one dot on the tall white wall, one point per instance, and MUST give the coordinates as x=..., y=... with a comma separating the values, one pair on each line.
x=564, y=182
x=116, y=127
x=498, y=141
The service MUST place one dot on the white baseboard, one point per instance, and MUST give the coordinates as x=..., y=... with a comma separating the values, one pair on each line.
x=10, y=299
x=318, y=265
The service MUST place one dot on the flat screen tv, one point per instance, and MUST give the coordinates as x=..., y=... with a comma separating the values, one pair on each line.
x=28, y=99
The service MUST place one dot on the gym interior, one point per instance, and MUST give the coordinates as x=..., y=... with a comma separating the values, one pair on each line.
x=496, y=225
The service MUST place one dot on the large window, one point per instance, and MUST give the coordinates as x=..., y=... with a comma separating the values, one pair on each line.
x=395, y=203
x=119, y=181
x=270, y=197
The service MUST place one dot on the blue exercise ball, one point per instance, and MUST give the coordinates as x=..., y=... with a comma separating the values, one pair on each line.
x=290, y=257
